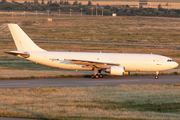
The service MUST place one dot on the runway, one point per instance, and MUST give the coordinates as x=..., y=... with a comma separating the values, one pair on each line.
x=72, y=82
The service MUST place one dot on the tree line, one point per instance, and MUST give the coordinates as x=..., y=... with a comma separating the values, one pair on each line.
x=65, y=6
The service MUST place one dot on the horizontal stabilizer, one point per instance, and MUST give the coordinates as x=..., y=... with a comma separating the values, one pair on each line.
x=19, y=53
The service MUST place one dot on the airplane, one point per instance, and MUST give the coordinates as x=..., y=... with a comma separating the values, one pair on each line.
x=113, y=63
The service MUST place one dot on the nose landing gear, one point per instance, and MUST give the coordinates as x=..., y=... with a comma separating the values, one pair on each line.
x=156, y=77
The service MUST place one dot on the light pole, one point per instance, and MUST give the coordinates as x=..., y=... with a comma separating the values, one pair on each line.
x=36, y=13
x=102, y=11
x=48, y=12
x=91, y=11
x=81, y=12
x=24, y=13
x=59, y=12
x=70, y=12
x=96, y=10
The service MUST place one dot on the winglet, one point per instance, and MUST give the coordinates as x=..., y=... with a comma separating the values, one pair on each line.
x=22, y=40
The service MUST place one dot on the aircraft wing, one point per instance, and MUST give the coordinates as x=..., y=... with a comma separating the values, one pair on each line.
x=92, y=63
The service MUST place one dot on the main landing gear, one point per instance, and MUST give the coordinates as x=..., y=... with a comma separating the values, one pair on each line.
x=97, y=74
x=156, y=77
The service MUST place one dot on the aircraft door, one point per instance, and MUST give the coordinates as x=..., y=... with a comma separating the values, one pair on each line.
x=158, y=60
x=158, y=63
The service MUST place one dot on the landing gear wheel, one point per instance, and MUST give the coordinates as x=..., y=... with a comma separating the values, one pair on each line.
x=92, y=76
x=96, y=76
x=101, y=75
x=156, y=77
x=157, y=72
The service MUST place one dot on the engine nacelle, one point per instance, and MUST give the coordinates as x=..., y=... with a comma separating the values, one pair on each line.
x=116, y=70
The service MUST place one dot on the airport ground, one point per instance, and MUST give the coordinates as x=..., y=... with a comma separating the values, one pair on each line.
x=134, y=102
x=124, y=98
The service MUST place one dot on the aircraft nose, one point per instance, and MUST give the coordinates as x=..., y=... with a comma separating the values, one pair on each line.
x=175, y=64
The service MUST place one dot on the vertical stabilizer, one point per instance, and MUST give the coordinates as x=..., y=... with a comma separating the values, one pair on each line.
x=22, y=40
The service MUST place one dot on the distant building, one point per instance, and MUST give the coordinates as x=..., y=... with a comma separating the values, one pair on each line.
x=143, y=2
x=114, y=14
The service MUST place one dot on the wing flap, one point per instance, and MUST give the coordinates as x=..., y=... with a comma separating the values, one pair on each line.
x=92, y=63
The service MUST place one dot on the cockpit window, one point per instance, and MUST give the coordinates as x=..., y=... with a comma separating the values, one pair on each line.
x=169, y=60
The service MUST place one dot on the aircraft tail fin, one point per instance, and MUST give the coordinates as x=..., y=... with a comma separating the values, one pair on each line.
x=22, y=40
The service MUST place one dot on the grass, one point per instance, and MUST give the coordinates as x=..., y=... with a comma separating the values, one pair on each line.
x=109, y=102
x=19, y=63
x=99, y=29
x=162, y=107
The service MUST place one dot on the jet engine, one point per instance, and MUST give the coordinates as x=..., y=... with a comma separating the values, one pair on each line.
x=116, y=70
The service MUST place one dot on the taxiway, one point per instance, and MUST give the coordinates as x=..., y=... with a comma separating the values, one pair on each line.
x=72, y=82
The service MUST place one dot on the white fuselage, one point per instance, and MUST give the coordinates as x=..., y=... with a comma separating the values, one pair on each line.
x=131, y=62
